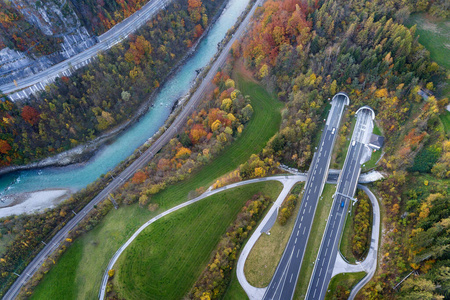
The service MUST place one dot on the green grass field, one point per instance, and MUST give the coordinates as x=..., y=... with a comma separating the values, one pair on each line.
x=435, y=36
x=235, y=290
x=445, y=119
x=168, y=256
x=315, y=238
x=98, y=246
x=267, y=251
x=347, y=281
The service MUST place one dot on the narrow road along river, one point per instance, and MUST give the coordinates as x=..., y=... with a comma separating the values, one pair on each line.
x=77, y=177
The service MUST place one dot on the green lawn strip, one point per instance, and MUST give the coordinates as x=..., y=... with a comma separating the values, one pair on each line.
x=166, y=259
x=60, y=279
x=93, y=252
x=345, y=282
x=345, y=245
x=315, y=238
x=375, y=155
x=445, y=119
x=267, y=251
x=434, y=35
x=342, y=151
x=372, y=161
x=100, y=244
x=235, y=290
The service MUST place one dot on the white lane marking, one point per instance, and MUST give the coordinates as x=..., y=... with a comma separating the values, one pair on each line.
x=320, y=273
x=301, y=219
x=307, y=198
x=290, y=280
x=310, y=209
x=297, y=232
x=298, y=252
x=315, y=189
x=326, y=251
x=304, y=210
x=304, y=230
x=295, y=241
x=299, y=226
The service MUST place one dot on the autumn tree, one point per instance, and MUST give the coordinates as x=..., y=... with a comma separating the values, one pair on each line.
x=30, y=115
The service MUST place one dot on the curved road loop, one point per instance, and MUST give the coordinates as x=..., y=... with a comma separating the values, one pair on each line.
x=284, y=281
x=357, y=154
x=55, y=242
x=287, y=181
x=370, y=263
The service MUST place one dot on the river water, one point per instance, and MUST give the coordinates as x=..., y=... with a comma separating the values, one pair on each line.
x=79, y=176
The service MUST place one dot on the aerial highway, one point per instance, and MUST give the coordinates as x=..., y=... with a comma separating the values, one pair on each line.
x=357, y=154
x=282, y=285
x=141, y=161
x=106, y=41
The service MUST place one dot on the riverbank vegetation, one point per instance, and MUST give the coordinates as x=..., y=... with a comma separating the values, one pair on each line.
x=111, y=234
x=103, y=95
x=192, y=233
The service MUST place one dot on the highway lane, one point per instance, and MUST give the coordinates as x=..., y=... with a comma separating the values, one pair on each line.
x=345, y=191
x=284, y=281
x=106, y=41
x=188, y=108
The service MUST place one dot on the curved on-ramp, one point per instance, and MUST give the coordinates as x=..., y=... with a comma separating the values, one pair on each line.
x=370, y=263
x=287, y=181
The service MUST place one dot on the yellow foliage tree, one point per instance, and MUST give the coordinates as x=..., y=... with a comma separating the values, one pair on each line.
x=264, y=71
x=260, y=172
x=229, y=83
x=111, y=273
x=183, y=153
x=226, y=104
x=216, y=125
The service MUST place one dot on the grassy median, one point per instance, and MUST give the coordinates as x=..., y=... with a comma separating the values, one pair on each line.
x=98, y=246
x=315, y=238
x=267, y=251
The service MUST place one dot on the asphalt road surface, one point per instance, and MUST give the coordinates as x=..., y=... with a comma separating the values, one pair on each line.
x=345, y=191
x=106, y=41
x=284, y=281
x=34, y=265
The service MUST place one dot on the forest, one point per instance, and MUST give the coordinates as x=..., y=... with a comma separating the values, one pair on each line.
x=303, y=52
x=104, y=94
x=17, y=33
x=306, y=52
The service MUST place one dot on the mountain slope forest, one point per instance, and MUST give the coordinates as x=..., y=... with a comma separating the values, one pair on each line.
x=36, y=26
x=106, y=93
x=306, y=51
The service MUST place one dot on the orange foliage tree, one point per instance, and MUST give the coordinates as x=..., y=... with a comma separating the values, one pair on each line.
x=30, y=115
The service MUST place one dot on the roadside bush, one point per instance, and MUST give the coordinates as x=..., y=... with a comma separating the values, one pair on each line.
x=361, y=226
x=286, y=209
